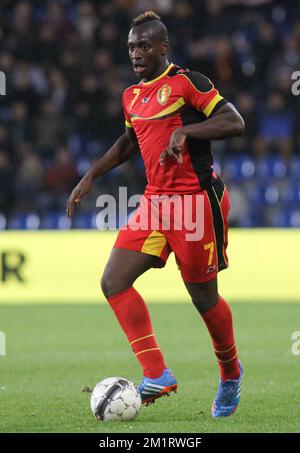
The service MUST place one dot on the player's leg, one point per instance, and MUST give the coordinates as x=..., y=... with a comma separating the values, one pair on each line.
x=199, y=263
x=204, y=295
x=217, y=316
x=123, y=268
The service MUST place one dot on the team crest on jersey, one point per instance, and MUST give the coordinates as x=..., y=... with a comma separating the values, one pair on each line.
x=163, y=94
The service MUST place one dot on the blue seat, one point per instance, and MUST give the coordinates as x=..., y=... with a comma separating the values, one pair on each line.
x=56, y=221
x=279, y=168
x=271, y=194
x=294, y=218
x=28, y=221
x=263, y=168
x=286, y=217
x=256, y=193
x=83, y=165
x=263, y=193
x=271, y=167
x=290, y=195
x=239, y=167
x=280, y=218
x=85, y=221
x=294, y=168
x=252, y=220
x=247, y=168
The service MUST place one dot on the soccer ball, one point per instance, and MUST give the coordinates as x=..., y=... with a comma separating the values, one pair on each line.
x=115, y=398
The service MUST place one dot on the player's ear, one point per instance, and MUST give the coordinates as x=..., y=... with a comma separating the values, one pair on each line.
x=165, y=47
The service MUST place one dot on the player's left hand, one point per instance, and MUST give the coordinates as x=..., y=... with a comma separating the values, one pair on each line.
x=175, y=147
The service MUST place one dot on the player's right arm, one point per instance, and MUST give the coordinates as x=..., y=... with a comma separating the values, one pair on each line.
x=122, y=150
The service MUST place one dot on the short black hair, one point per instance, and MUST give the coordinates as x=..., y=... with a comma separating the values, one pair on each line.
x=147, y=16
x=155, y=20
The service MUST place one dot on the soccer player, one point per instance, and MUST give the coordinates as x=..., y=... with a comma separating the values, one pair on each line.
x=171, y=116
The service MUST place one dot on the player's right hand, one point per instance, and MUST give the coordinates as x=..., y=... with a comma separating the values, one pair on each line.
x=175, y=147
x=82, y=189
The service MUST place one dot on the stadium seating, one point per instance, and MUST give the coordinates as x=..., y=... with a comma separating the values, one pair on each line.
x=58, y=116
x=271, y=185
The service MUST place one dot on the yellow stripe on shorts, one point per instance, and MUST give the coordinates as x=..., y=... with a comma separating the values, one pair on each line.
x=154, y=244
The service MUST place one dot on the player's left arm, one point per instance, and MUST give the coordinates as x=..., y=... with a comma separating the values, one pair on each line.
x=223, y=120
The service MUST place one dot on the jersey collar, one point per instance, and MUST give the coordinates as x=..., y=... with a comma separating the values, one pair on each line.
x=160, y=76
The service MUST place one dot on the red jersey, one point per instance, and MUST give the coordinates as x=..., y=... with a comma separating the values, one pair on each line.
x=155, y=109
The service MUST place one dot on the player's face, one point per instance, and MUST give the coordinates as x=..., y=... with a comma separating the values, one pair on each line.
x=147, y=53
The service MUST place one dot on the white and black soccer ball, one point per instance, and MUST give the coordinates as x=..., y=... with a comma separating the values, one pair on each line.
x=115, y=398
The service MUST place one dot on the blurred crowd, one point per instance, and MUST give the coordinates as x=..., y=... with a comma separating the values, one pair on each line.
x=66, y=66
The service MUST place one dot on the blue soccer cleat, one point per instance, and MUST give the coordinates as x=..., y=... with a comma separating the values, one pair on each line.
x=228, y=396
x=151, y=389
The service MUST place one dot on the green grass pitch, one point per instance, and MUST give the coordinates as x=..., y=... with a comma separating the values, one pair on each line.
x=54, y=351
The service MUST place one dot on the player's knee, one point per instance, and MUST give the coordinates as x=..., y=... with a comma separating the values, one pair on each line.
x=106, y=284
x=205, y=300
x=204, y=304
x=204, y=296
x=111, y=286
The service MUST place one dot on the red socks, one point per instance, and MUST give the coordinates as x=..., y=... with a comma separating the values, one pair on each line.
x=134, y=318
x=220, y=326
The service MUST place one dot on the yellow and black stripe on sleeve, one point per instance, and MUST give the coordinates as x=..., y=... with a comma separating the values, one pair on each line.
x=205, y=96
x=214, y=105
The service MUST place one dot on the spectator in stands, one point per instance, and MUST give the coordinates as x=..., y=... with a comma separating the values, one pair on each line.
x=6, y=182
x=28, y=182
x=276, y=127
x=62, y=175
x=66, y=65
